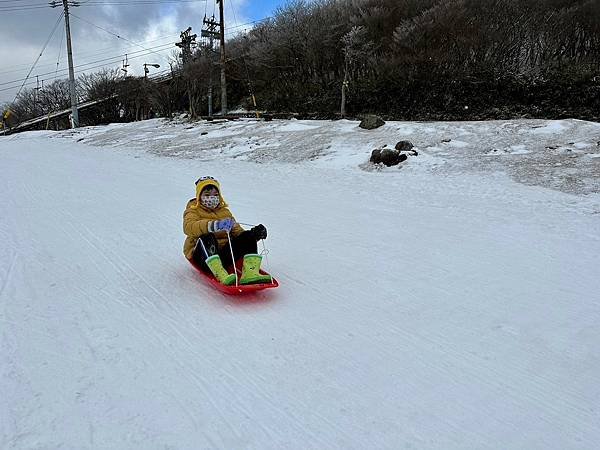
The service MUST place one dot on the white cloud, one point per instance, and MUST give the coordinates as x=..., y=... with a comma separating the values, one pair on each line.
x=151, y=26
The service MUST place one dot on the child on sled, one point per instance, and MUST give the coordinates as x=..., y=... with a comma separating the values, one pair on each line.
x=212, y=234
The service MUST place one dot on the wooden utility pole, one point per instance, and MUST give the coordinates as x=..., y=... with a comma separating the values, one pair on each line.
x=210, y=31
x=75, y=111
x=223, y=78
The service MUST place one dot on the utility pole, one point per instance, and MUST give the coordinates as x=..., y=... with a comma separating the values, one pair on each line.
x=223, y=78
x=36, y=95
x=75, y=111
x=187, y=40
x=210, y=32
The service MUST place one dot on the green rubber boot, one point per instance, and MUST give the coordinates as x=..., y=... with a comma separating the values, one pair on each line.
x=251, y=270
x=216, y=267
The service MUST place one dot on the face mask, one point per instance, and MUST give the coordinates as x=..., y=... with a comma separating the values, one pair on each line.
x=210, y=201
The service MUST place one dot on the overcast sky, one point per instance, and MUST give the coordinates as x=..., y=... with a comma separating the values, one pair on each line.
x=153, y=24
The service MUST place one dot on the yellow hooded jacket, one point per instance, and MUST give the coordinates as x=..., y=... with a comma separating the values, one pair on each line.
x=196, y=219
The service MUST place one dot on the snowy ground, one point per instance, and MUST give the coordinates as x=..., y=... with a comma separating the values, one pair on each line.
x=452, y=303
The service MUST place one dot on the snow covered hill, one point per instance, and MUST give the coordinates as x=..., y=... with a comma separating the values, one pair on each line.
x=450, y=303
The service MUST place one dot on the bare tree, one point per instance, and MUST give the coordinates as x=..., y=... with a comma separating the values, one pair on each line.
x=99, y=85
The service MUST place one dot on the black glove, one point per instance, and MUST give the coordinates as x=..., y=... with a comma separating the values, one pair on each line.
x=259, y=232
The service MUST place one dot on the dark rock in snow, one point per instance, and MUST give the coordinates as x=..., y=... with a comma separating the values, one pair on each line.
x=392, y=157
x=389, y=157
x=371, y=122
x=404, y=146
x=376, y=156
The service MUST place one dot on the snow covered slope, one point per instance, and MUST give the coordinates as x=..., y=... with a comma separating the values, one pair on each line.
x=452, y=303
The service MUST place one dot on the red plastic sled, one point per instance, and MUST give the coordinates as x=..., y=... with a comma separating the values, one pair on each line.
x=239, y=289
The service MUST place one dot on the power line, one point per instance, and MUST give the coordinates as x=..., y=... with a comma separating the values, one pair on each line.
x=34, y=6
x=106, y=61
x=78, y=3
x=247, y=23
x=138, y=2
x=59, y=53
x=109, y=49
x=88, y=53
x=234, y=16
x=109, y=32
x=62, y=76
x=21, y=4
x=111, y=59
x=20, y=8
x=60, y=17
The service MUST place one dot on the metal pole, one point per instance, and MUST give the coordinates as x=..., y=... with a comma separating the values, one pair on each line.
x=35, y=96
x=75, y=112
x=210, y=78
x=223, y=79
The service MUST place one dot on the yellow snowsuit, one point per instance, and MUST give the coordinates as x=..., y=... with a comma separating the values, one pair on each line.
x=196, y=219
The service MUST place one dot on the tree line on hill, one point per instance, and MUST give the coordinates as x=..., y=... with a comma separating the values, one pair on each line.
x=402, y=59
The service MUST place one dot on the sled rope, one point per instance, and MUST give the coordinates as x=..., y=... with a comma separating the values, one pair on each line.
x=232, y=259
x=203, y=247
